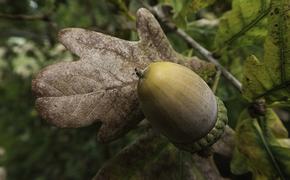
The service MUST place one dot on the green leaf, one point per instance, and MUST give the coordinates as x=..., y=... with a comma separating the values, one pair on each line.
x=244, y=16
x=178, y=6
x=199, y=4
x=281, y=104
x=239, y=164
x=271, y=77
x=262, y=145
x=188, y=5
x=283, y=158
x=249, y=144
x=183, y=9
x=275, y=125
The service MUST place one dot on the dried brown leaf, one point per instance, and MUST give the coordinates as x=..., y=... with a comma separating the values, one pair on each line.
x=101, y=85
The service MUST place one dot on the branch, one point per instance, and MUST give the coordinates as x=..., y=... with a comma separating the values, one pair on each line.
x=204, y=52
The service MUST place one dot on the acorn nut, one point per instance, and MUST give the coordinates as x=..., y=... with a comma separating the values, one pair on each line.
x=181, y=105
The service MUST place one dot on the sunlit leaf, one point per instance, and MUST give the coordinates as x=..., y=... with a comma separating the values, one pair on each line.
x=270, y=78
x=242, y=18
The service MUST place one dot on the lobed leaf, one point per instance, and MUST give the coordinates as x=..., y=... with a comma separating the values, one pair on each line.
x=101, y=86
x=270, y=78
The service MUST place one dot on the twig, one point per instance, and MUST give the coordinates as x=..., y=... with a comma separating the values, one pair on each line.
x=204, y=52
x=208, y=55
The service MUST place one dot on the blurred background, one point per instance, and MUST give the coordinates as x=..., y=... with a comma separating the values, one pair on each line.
x=29, y=147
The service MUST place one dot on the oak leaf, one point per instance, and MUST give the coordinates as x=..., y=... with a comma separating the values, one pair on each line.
x=101, y=85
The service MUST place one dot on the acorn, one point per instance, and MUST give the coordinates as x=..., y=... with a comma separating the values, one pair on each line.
x=181, y=105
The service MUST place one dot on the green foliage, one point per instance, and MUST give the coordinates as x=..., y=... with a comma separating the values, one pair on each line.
x=259, y=148
x=33, y=148
x=270, y=78
x=262, y=141
x=185, y=7
x=241, y=32
x=184, y=10
x=178, y=6
x=199, y=4
x=243, y=18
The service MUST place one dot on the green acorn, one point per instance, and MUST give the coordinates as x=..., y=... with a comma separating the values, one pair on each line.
x=181, y=105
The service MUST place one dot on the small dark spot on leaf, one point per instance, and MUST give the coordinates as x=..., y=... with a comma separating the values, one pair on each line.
x=276, y=25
